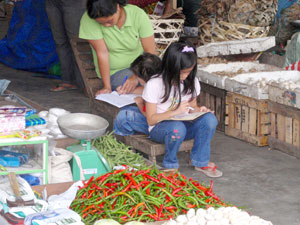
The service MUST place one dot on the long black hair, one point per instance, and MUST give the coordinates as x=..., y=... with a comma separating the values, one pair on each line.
x=146, y=65
x=103, y=8
x=179, y=56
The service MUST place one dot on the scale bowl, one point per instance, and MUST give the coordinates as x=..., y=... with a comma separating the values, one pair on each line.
x=82, y=125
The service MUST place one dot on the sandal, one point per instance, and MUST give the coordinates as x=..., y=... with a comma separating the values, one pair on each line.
x=210, y=170
x=63, y=87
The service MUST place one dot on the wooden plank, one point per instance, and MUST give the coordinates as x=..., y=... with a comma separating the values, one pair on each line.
x=261, y=105
x=86, y=57
x=221, y=125
x=258, y=123
x=292, y=150
x=91, y=73
x=218, y=109
x=87, y=65
x=281, y=127
x=212, y=102
x=296, y=132
x=237, y=117
x=144, y=144
x=202, y=99
x=289, y=130
x=284, y=110
x=253, y=139
x=252, y=121
x=226, y=115
x=213, y=90
x=273, y=124
x=265, y=118
x=207, y=100
x=231, y=112
x=265, y=129
x=245, y=119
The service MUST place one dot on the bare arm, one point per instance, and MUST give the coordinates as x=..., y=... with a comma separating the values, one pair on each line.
x=103, y=62
x=148, y=44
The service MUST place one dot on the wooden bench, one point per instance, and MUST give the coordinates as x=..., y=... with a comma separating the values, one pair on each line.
x=142, y=143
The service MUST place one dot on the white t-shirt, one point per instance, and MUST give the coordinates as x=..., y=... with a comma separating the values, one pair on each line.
x=154, y=91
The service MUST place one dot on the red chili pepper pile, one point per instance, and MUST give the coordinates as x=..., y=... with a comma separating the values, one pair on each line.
x=144, y=195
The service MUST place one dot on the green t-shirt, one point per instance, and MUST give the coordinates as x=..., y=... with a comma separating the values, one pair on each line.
x=123, y=44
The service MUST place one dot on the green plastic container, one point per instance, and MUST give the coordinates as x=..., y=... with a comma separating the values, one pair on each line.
x=92, y=162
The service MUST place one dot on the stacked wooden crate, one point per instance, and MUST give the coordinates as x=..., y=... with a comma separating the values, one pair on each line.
x=284, y=106
x=247, y=119
x=246, y=113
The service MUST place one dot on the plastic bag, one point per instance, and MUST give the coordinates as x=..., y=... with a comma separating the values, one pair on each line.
x=59, y=169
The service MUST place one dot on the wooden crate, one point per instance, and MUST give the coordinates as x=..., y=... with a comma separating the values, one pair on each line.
x=285, y=128
x=214, y=99
x=247, y=119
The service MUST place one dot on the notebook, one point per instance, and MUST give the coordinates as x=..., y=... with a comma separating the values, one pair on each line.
x=190, y=116
x=117, y=100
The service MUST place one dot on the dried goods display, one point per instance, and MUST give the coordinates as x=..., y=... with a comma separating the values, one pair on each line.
x=211, y=60
x=223, y=20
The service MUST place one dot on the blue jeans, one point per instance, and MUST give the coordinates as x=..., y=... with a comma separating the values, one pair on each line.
x=173, y=133
x=130, y=121
x=117, y=78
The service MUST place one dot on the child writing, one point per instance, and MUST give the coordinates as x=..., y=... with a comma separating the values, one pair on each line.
x=131, y=119
x=173, y=93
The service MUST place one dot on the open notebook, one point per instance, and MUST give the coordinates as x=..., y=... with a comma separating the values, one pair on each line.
x=190, y=116
x=117, y=100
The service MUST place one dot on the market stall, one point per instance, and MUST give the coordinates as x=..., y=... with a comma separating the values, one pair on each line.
x=89, y=177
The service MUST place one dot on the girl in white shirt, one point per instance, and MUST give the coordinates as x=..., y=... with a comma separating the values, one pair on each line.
x=174, y=92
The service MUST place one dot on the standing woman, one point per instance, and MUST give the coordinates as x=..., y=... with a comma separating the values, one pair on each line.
x=173, y=93
x=118, y=33
x=64, y=18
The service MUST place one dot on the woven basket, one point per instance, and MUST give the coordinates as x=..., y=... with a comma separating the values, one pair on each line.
x=166, y=31
x=224, y=31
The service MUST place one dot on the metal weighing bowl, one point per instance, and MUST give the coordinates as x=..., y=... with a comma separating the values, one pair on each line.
x=82, y=125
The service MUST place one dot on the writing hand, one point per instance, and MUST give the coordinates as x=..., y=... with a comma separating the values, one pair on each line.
x=204, y=109
x=183, y=108
x=128, y=86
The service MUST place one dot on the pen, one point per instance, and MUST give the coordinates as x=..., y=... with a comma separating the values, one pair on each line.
x=125, y=78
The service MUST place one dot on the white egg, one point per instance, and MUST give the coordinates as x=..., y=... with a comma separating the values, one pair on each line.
x=191, y=213
x=181, y=219
x=191, y=223
x=170, y=222
x=208, y=217
x=201, y=221
x=224, y=221
x=212, y=222
x=218, y=215
x=211, y=210
x=200, y=212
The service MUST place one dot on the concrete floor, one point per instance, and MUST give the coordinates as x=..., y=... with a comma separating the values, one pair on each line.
x=266, y=182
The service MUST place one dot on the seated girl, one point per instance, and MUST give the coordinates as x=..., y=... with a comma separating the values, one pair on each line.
x=131, y=119
x=172, y=93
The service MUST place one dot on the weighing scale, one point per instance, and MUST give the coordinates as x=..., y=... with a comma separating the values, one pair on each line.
x=85, y=127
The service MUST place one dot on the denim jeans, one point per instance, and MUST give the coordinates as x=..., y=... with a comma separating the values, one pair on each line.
x=117, y=78
x=173, y=133
x=130, y=121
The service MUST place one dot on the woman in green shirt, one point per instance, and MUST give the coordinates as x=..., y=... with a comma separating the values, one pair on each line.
x=118, y=33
